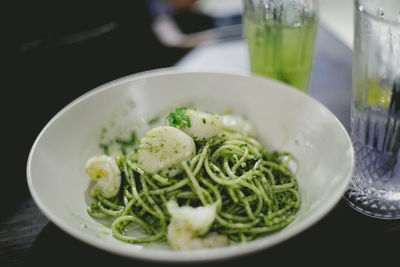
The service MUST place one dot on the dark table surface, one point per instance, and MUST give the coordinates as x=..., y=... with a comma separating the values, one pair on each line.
x=343, y=236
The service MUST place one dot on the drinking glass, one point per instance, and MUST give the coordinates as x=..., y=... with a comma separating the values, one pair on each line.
x=375, y=111
x=280, y=35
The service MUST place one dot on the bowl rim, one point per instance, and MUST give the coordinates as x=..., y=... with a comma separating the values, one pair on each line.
x=204, y=255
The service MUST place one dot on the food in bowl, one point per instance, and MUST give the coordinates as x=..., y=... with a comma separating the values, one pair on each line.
x=201, y=181
x=284, y=120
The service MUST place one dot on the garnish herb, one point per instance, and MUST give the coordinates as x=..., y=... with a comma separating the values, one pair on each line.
x=178, y=119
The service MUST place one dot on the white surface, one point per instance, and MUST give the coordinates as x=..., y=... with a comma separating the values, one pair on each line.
x=228, y=56
x=285, y=119
x=337, y=17
x=220, y=7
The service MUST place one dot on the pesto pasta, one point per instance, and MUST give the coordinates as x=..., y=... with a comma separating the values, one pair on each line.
x=225, y=188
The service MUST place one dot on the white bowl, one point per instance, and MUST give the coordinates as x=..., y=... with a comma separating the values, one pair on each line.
x=284, y=118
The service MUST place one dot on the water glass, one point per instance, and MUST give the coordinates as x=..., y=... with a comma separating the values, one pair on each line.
x=375, y=111
x=280, y=35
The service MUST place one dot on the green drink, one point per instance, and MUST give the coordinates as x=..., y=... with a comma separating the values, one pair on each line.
x=281, y=43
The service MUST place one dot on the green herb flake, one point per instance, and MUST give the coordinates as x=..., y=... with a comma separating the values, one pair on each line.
x=125, y=143
x=153, y=121
x=178, y=119
x=105, y=147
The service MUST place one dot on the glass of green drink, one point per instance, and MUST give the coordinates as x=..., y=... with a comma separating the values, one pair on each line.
x=281, y=35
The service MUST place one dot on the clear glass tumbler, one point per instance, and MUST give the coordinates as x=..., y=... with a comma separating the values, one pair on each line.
x=375, y=111
x=281, y=35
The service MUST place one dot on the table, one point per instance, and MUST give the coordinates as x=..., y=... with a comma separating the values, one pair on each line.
x=342, y=237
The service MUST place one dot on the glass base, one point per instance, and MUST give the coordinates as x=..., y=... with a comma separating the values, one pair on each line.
x=374, y=203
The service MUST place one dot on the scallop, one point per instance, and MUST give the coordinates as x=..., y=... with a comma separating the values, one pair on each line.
x=188, y=224
x=105, y=172
x=197, y=219
x=237, y=124
x=203, y=125
x=164, y=148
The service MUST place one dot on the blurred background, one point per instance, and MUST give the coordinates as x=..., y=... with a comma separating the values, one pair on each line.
x=58, y=50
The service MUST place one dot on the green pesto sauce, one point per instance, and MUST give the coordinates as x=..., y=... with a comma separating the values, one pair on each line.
x=153, y=120
x=118, y=143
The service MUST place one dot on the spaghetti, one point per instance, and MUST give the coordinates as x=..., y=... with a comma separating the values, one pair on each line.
x=255, y=192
